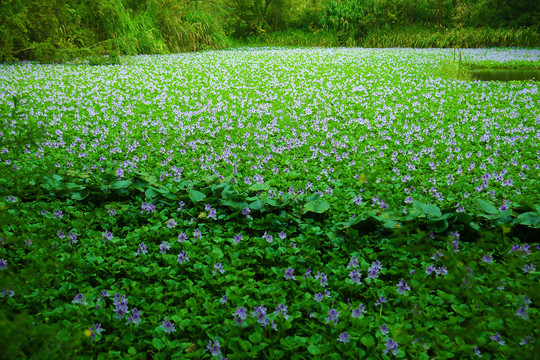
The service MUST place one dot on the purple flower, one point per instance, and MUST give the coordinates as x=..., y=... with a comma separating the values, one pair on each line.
x=333, y=315
x=430, y=269
x=289, y=274
x=282, y=235
x=437, y=255
x=79, y=299
x=171, y=223
x=391, y=345
x=356, y=313
x=60, y=234
x=319, y=297
x=135, y=317
x=212, y=214
x=522, y=312
x=237, y=239
x=96, y=329
x=164, y=247
x=282, y=308
x=358, y=200
x=58, y=214
x=374, y=270
x=355, y=276
x=182, y=237
x=380, y=301
x=197, y=234
x=120, y=173
x=72, y=238
x=477, y=352
x=497, y=338
x=268, y=237
x=260, y=314
x=149, y=208
x=142, y=249
x=323, y=279
x=182, y=258
x=246, y=211
x=3, y=264
x=353, y=263
x=529, y=269
x=240, y=315
x=441, y=271
x=344, y=337
x=384, y=329
x=168, y=326
x=180, y=206
x=107, y=235
x=120, y=304
x=308, y=273
x=218, y=267
x=214, y=349
x=402, y=287
x=223, y=299
x=488, y=259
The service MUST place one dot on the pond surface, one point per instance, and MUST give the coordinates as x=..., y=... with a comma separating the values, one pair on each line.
x=504, y=74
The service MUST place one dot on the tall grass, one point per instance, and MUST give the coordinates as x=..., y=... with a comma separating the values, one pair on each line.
x=461, y=38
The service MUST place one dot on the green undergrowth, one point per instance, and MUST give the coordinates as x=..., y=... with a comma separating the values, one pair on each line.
x=57, y=248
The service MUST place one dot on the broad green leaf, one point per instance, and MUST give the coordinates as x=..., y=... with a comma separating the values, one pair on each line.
x=158, y=344
x=259, y=187
x=531, y=219
x=121, y=184
x=313, y=349
x=317, y=206
x=486, y=207
x=431, y=210
x=257, y=205
x=255, y=337
x=196, y=196
x=367, y=340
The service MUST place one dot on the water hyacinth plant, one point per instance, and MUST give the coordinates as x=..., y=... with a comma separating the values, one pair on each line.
x=382, y=209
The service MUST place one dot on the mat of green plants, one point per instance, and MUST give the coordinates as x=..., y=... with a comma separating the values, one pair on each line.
x=270, y=203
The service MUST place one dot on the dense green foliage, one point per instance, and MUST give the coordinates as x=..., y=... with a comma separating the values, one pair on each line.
x=57, y=30
x=325, y=192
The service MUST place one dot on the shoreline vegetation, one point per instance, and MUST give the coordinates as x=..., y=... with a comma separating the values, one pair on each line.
x=60, y=31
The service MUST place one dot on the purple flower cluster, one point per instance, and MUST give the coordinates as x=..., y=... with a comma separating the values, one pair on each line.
x=240, y=315
x=120, y=305
x=374, y=270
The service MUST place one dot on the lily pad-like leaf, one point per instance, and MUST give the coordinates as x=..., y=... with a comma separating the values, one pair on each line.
x=428, y=209
x=196, y=196
x=317, y=206
x=121, y=184
x=486, y=207
x=259, y=187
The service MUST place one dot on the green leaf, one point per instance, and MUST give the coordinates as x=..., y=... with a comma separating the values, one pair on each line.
x=486, y=207
x=313, y=349
x=531, y=219
x=150, y=193
x=317, y=206
x=257, y=205
x=367, y=340
x=122, y=184
x=196, y=196
x=255, y=337
x=431, y=210
x=245, y=345
x=259, y=187
x=158, y=344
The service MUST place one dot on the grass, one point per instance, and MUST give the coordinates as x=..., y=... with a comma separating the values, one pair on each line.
x=264, y=198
